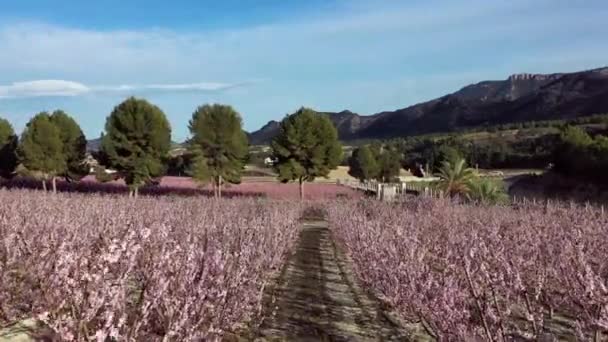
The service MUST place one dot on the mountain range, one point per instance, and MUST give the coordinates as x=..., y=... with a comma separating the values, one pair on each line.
x=519, y=98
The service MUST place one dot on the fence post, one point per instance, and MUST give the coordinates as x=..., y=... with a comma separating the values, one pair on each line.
x=389, y=192
x=378, y=191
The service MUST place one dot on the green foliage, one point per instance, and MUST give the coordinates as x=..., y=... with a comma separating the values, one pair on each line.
x=485, y=191
x=178, y=165
x=581, y=156
x=389, y=165
x=376, y=148
x=363, y=164
x=8, y=149
x=455, y=177
x=572, y=157
x=74, y=145
x=258, y=158
x=136, y=141
x=558, y=123
x=376, y=161
x=306, y=147
x=219, y=144
x=528, y=150
x=431, y=151
x=41, y=149
x=492, y=155
x=199, y=168
x=102, y=176
x=575, y=136
x=447, y=152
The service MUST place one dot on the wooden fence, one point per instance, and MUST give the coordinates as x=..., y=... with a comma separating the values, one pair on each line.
x=390, y=191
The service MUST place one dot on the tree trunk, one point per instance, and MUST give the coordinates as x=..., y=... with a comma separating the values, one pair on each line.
x=130, y=193
x=219, y=187
x=54, y=182
x=301, y=189
x=597, y=336
x=44, y=185
x=136, y=192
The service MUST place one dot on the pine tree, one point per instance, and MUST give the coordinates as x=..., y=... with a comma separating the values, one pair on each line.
x=363, y=164
x=306, y=147
x=389, y=165
x=8, y=149
x=136, y=142
x=41, y=149
x=219, y=145
x=74, y=145
x=198, y=169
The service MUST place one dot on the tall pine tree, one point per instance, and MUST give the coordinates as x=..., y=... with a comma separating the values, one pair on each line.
x=41, y=149
x=307, y=147
x=136, y=142
x=219, y=145
x=74, y=145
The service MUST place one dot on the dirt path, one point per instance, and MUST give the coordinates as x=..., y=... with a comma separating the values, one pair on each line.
x=317, y=299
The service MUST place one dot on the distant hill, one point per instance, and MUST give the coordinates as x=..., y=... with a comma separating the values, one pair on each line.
x=347, y=123
x=93, y=145
x=265, y=134
x=519, y=98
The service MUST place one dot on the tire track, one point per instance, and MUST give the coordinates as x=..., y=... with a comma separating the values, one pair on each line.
x=316, y=298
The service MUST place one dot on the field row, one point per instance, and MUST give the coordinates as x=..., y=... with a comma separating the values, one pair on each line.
x=489, y=273
x=99, y=266
x=190, y=269
x=187, y=187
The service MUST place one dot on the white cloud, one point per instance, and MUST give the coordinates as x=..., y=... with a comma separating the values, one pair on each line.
x=177, y=87
x=385, y=34
x=43, y=88
x=56, y=88
x=190, y=86
x=38, y=47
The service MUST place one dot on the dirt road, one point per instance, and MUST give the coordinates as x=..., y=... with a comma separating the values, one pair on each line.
x=317, y=299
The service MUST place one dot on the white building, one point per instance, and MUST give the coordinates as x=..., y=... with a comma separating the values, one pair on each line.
x=268, y=161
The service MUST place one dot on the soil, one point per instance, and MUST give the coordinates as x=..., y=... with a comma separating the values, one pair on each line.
x=316, y=298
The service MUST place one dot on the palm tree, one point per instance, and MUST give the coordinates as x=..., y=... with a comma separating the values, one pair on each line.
x=485, y=191
x=455, y=177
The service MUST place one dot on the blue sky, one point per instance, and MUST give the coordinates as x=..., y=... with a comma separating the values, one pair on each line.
x=269, y=57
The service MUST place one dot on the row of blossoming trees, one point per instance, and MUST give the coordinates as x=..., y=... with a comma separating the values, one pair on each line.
x=105, y=268
x=483, y=273
x=137, y=140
